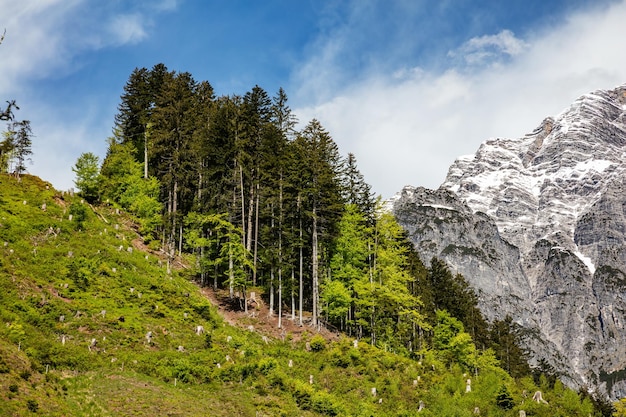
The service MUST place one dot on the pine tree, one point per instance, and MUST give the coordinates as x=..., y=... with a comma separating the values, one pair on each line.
x=174, y=122
x=453, y=293
x=18, y=145
x=505, y=344
x=321, y=166
x=355, y=190
x=135, y=111
x=282, y=117
x=87, y=172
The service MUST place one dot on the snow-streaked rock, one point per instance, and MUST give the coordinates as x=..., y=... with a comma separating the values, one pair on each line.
x=538, y=226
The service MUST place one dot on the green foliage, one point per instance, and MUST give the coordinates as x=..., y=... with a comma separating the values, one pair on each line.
x=80, y=271
x=505, y=344
x=336, y=300
x=452, y=293
x=32, y=405
x=504, y=399
x=79, y=214
x=317, y=343
x=450, y=339
x=15, y=149
x=87, y=172
x=123, y=182
x=89, y=319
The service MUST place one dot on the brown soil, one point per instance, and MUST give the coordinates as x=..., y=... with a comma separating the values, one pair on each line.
x=258, y=319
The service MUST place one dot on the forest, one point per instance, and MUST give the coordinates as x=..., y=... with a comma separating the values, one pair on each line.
x=262, y=205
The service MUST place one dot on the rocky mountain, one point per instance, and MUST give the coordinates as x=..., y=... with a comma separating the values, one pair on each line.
x=538, y=226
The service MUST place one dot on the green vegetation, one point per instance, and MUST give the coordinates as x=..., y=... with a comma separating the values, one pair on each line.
x=91, y=325
x=103, y=296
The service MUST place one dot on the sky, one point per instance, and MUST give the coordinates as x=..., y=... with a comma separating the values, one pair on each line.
x=407, y=86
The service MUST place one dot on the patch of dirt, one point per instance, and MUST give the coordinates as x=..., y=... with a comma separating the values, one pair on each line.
x=54, y=292
x=177, y=262
x=258, y=319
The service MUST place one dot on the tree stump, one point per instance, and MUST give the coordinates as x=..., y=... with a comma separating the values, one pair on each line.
x=538, y=397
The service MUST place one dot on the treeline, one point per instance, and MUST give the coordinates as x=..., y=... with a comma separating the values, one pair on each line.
x=261, y=204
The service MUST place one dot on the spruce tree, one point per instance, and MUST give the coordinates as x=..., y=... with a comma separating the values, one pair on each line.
x=18, y=143
x=87, y=172
x=321, y=198
x=355, y=190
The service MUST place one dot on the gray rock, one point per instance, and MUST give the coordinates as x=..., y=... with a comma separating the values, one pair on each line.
x=537, y=225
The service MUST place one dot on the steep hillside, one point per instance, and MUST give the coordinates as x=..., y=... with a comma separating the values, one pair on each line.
x=92, y=324
x=537, y=226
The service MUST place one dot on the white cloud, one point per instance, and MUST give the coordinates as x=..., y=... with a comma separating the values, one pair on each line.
x=34, y=45
x=482, y=49
x=48, y=39
x=128, y=28
x=407, y=126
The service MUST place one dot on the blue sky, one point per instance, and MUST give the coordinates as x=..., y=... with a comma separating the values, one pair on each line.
x=405, y=85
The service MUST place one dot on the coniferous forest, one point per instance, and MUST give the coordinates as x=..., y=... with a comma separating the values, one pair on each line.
x=260, y=204
x=233, y=195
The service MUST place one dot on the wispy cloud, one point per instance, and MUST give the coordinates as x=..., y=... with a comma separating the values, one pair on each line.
x=128, y=28
x=51, y=40
x=407, y=126
x=488, y=48
x=45, y=37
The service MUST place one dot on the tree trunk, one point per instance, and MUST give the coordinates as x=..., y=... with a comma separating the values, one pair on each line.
x=314, y=269
x=145, y=154
x=272, y=266
x=280, y=253
x=243, y=208
x=256, y=237
x=293, y=295
x=250, y=218
x=231, y=271
x=180, y=240
x=270, y=312
x=301, y=271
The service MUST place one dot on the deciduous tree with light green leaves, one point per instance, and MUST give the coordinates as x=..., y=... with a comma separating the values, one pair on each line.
x=348, y=265
x=122, y=181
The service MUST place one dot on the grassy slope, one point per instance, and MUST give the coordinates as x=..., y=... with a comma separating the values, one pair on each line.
x=59, y=283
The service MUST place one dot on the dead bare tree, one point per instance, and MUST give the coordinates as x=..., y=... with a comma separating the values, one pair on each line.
x=7, y=114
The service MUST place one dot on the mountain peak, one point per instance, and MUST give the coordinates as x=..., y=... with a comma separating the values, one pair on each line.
x=554, y=259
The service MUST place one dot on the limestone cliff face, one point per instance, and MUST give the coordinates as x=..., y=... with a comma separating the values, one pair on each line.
x=538, y=226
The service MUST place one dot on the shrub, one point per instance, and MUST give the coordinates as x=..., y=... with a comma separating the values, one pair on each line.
x=208, y=340
x=79, y=214
x=318, y=343
x=32, y=405
x=504, y=398
x=266, y=365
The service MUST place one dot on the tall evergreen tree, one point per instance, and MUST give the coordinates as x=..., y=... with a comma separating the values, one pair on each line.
x=18, y=144
x=319, y=182
x=87, y=172
x=282, y=117
x=453, y=293
x=355, y=190
x=174, y=119
x=505, y=343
